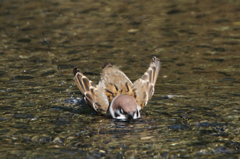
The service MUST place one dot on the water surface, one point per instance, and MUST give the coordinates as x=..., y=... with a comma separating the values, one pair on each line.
x=196, y=41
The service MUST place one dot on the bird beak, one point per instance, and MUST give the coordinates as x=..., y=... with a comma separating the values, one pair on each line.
x=131, y=115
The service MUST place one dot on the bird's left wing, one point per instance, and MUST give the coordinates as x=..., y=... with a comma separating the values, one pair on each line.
x=93, y=94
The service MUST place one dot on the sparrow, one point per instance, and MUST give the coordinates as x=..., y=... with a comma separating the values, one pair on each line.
x=115, y=92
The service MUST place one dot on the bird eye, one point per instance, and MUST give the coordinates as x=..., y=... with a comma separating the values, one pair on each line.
x=121, y=111
x=116, y=114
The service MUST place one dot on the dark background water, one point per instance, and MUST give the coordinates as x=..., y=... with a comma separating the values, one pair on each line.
x=196, y=41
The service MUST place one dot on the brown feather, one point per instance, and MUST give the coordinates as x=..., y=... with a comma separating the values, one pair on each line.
x=86, y=83
x=79, y=83
x=145, y=85
x=114, y=82
x=75, y=70
x=92, y=93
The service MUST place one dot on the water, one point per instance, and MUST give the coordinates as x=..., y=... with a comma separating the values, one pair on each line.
x=194, y=112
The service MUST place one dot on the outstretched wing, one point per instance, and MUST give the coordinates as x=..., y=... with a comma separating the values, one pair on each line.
x=145, y=85
x=93, y=94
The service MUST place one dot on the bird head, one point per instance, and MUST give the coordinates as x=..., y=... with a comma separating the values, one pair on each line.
x=124, y=107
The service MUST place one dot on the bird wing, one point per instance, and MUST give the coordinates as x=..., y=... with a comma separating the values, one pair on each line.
x=93, y=94
x=145, y=85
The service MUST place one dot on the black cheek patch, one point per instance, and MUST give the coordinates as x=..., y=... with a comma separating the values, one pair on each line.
x=116, y=114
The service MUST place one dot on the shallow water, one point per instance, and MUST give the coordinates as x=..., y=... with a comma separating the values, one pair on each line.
x=197, y=42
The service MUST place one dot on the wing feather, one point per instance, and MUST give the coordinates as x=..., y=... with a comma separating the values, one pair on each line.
x=145, y=85
x=93, y=94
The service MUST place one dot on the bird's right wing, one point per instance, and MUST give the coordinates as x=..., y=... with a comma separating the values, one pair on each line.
x=145, y=85
x=93, y=95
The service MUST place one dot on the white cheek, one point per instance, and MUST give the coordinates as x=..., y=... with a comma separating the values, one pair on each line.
x=122, y=117
x=135, y=115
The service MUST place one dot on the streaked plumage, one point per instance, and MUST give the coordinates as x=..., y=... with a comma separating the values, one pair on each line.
x=115, y=92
